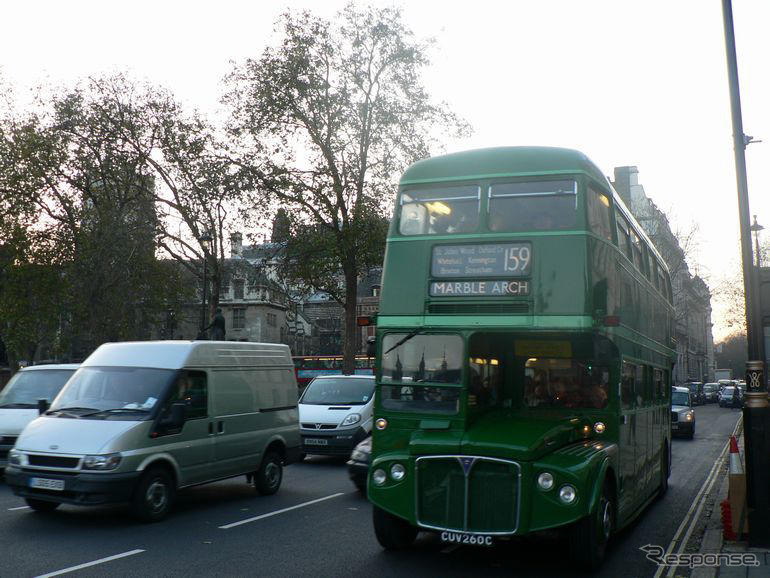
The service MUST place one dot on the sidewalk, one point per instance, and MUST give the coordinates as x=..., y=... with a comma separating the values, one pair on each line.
x=714, y=543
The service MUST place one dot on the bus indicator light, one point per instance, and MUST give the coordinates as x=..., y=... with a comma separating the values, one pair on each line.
x=381, y=424
x=599, y=427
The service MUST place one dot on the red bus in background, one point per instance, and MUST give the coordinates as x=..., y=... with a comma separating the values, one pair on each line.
x=306, y=367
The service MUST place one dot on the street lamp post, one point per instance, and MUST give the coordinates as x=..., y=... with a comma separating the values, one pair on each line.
x=205, y=240
x=756, y=228
x=756, y=411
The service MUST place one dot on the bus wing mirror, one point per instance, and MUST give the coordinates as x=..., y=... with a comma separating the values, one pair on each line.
x=371, y=346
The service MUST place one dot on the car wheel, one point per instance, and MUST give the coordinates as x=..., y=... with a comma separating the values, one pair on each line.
x=393, y=533
x=589, y=537
x=269, y=476
x=41, y=505
x=691, y=434
x=153, y=496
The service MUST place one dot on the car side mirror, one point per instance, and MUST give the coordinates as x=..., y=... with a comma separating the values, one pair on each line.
x=42, y=406
x=371, y=346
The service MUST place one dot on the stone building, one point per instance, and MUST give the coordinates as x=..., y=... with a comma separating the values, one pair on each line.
x=692, y=299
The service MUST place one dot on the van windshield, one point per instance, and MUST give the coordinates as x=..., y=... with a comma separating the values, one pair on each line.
x=26, y=387
x=121, y=390
x=338, y=391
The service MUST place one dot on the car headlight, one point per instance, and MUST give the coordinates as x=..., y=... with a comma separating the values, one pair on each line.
x=397, y=472
x=358, y=456
x=567, y=494
x=545, y=481
x=15, y=457
x=103, y=462
x=351, y=419
x=689, y=416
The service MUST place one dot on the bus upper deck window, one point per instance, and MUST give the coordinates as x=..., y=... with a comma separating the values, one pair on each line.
x=438, y=211
x=533, y=206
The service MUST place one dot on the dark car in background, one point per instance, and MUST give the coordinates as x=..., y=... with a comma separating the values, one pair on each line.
x=711, y=392
x=358, y=464
x=697, y=394
x=731, y=397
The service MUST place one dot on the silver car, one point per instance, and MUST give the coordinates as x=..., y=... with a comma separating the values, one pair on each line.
x=682, y=413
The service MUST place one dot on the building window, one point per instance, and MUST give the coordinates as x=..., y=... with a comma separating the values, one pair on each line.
x=239, y=318
x=272, y=320
x=224, y=290
x=238, y=288
x=375, y=290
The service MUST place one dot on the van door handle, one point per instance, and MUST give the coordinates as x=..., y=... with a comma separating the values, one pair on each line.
x=220, y=427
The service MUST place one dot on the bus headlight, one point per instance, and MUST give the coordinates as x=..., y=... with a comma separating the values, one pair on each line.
x=397, y=472
x=381, y=423
x=379, y=477
x=599, y=427
x=545, y=481
x=567, y=494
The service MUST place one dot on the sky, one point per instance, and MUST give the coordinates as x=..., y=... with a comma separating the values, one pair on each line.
x=626, y=82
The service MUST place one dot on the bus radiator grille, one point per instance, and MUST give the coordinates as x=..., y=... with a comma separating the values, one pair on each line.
x=480, y=497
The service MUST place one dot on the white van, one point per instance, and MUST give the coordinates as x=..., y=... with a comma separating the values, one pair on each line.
x=20, y=398
x=138, y=421
x=335, y=413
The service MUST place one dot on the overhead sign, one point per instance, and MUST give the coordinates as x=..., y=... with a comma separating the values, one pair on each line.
x=488, y=260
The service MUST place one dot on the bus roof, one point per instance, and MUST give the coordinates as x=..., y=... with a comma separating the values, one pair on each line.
x=501, y=162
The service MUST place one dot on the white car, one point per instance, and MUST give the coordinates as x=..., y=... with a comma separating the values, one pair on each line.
x=19, y=399
x=335, y=413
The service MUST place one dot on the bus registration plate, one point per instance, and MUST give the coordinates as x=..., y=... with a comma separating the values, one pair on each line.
x=467, y=539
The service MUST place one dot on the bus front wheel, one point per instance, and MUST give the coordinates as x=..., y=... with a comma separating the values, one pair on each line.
x=392, y=532
x=589, y=537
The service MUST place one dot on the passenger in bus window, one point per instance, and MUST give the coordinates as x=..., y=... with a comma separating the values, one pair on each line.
x=596, y=395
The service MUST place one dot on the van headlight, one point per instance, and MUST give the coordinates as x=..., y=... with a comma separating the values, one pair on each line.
x=103, y=462
x=351, y=419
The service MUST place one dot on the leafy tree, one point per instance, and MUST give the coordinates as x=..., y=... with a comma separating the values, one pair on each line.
x=84, y=187
x=326, y=121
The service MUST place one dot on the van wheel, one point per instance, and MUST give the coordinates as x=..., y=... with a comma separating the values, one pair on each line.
x=269, y=476
x=153, y=495
x=392, y=532
x=41, y=505
x=588, y=538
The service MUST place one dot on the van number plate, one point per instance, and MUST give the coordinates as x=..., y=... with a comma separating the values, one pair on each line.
x=467, y=539
x=47, y=484
x=315, y=442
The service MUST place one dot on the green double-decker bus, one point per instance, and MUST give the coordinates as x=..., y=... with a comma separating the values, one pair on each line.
x=524, y=355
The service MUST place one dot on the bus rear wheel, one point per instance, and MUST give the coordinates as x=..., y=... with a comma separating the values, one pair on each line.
x=392, y=532
x=589, y=537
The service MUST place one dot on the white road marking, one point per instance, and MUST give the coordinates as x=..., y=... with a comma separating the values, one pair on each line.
x=18, y=508
x=302, y=505
x=690, y=520
x=94, y=563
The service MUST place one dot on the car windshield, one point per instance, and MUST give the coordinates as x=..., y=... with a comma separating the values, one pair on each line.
x=710, y=387
x=693, y=386
x=26, y=387
x=122, y=390
x=680, y=398
x=339, y=391
x=728, y=391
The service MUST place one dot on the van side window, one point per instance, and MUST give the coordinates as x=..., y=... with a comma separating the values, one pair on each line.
x=191, y=388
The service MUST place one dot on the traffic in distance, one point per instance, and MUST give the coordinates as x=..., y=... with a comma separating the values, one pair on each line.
x=521, y=378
